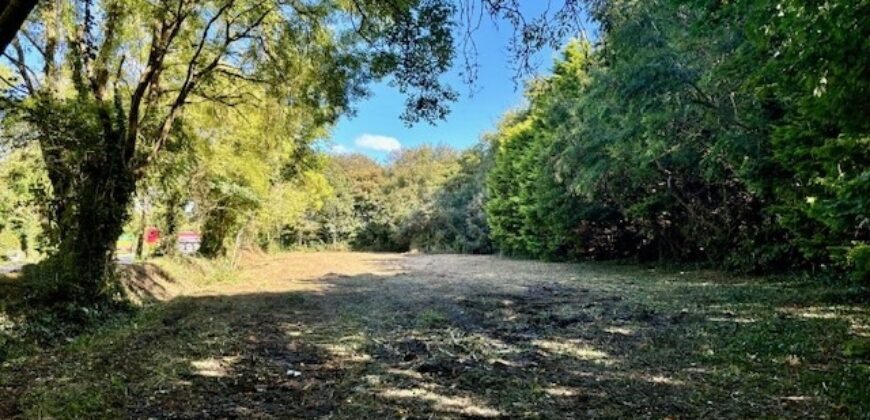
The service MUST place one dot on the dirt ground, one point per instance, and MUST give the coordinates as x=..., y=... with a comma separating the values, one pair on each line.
x=356, y=335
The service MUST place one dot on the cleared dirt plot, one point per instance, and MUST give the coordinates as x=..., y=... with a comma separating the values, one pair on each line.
x=353, y=335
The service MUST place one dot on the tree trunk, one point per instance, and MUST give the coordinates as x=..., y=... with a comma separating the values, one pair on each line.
x=220, y=224
x=106, y=194
x=140, y=239
x=89, y=209
x=169, y=235
x=12, y=16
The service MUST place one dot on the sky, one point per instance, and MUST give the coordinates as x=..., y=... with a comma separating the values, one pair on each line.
x=376, y=129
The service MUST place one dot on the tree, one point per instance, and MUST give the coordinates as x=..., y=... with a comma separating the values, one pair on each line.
x=531, y=209
x=338, y=218
x=22, y=186
x=813, y=95
x=415, y=176
x=456, y=221
x=730, y=134
x=358, y=180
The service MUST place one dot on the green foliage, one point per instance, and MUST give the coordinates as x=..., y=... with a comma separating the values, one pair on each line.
x=42, y=312
x=531, y=209
x=230, y=202
x=859, y=262
x=414, y=178
x=696, y=132
x=22, y=186
x=356, y=183
x=91, y=189
x=454, y=220
x=819, y=91
x=393, y=209
x=424, y=198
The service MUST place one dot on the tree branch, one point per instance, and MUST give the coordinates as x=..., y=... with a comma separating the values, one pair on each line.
x=156, y=55
x=21, y=66
x=193, y=76
x=12, y=16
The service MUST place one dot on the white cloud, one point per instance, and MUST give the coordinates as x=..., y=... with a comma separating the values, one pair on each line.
x=379, y=143
x=338, y=149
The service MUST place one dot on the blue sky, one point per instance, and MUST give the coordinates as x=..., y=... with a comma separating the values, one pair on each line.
x=376, y=128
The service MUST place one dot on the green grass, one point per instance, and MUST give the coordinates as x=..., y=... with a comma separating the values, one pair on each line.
x=431, y=318
x=603, y=341
x=199, y=271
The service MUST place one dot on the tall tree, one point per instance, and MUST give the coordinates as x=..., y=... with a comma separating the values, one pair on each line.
x=728, y=133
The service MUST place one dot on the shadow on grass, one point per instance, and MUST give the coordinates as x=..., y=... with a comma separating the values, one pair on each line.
x=147, y=282
x=35, y=311
x=402, y=345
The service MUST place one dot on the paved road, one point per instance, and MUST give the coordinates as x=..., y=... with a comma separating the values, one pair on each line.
x=125, y=259
x=15, y=267
x=11, y=268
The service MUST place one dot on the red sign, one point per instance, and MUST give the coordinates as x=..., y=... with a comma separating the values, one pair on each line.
x=152, y=235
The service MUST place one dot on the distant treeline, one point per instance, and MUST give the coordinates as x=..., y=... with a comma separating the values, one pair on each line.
x=426, y=198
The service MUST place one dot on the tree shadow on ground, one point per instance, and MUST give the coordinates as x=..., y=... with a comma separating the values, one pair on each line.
x=414, y=345
x=30, y=303
x=146, y=282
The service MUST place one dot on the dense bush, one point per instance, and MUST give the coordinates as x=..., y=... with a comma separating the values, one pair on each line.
x=733, y=134
x=454, y=219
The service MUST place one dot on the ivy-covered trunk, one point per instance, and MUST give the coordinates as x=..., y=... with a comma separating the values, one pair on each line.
x=220, y=224
x=170, y=217
x=226, y=216
x=143, y=225
x=93, y=185
x=98, y=221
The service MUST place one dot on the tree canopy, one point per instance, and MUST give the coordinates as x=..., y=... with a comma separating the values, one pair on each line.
x=695, y=132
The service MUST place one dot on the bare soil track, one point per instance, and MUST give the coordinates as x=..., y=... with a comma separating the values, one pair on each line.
x=353, y=335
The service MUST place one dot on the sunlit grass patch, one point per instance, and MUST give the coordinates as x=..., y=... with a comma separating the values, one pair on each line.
x=446, y=403
x=576, y=349
x=197, y=272
x=561, y=391
x=857, y=317
x=214, y=367
x=350, y=348
x=621, y=330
